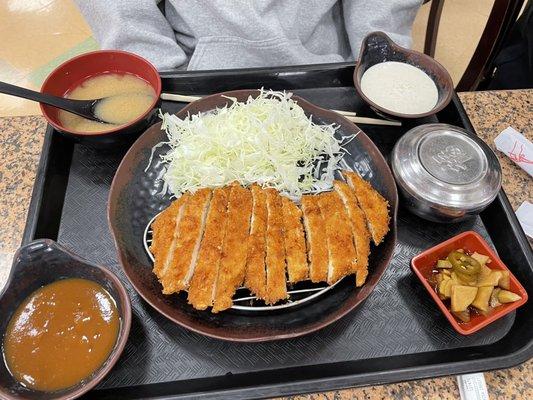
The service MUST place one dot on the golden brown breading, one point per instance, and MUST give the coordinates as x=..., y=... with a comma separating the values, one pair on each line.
x=203, y=282
x=373, y=205
x=359, y=230
x=190, y=232
x=255, y=278
x=275, y=256
x=235, y=247
x=317, y=247
x=164, y=234
x=211, y=241
x=294, y=240
x=341, y=250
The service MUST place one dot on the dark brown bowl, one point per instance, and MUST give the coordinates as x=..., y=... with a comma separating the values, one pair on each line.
x=133, y=201
x=377, y=47
x=40, y=263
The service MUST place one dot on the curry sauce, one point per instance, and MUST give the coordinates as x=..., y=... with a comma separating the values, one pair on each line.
x=61, y=334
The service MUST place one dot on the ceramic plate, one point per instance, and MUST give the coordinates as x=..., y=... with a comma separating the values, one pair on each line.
x=134, y=199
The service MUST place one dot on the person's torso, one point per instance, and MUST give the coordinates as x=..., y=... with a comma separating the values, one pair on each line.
x=220, y=34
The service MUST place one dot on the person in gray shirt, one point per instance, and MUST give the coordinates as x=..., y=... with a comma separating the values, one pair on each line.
x=221, y=34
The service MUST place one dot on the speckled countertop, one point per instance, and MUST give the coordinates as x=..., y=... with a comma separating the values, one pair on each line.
x=490, y=112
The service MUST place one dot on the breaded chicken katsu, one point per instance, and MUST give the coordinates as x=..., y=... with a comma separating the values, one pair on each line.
x=203, y=284
x=375, y=207
x=255, y=276
x=276, y=282
x=341, y=250
x=186, y=242
x=295, y=251
x=211, y=242
x=165, y=235
x=234, y=247
x=360, y=234
x=317, y=249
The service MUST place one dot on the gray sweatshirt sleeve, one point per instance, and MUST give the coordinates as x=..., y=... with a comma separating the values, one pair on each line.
x=394, y=17
x=134, y=25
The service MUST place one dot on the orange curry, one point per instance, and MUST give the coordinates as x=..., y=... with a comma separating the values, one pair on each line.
x=61, y=334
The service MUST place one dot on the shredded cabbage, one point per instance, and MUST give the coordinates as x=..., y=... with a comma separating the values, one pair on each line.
x=268, y=140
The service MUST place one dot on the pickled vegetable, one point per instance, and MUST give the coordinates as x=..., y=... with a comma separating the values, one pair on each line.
x=445, y=288
x=461, y=279
x=506, y=296
x=464, y=264
x=505, y=280
x=494, y=301
x=462, y=297
x=484, y=270
x=454, y=277
x=491, y=279
x=465, y=281
x=463, y=316
x=485, y=313
x=444, y=264
x=481, y=258
x=481, y=302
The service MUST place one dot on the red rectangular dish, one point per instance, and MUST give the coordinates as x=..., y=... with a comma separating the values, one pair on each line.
x=424, y=263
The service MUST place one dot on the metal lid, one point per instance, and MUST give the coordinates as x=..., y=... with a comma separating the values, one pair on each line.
x=446, y=166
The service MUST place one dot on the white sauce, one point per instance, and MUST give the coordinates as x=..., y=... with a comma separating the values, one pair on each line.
x=400, y=87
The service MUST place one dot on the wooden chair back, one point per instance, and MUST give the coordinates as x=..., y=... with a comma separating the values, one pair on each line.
x=502, y=16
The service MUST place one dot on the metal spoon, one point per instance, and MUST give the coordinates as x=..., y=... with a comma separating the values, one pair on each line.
x=83, y=108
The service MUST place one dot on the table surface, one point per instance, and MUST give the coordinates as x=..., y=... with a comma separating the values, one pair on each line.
x=21, y=140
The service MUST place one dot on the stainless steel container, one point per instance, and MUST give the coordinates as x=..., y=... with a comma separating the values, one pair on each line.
x=444, y=173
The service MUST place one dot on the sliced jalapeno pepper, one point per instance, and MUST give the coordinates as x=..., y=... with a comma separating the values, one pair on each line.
x=463, y=264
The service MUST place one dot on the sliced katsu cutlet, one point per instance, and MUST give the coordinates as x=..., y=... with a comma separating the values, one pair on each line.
x=294, y=240
x=165, y=234
x=203, y=283
x=374, y=206
x=190, y=231
x=234, y=248
x=341, y=249
x=315, y=234
x=276, y=284
x=359, y=230
x=255, y=278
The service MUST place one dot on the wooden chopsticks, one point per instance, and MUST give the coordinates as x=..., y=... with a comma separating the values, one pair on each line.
x=345, y=113
x=179, y=97
x=350, y=115
x=372, y=121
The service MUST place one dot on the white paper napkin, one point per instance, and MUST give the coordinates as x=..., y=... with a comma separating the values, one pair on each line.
x=525, y=217
x=472, y=387
x=517, y=148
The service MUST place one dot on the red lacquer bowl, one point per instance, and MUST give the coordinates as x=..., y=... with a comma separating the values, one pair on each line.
x=470, y=241
x=74, y=71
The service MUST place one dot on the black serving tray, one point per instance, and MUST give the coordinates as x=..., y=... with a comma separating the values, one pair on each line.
x=397, y=334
